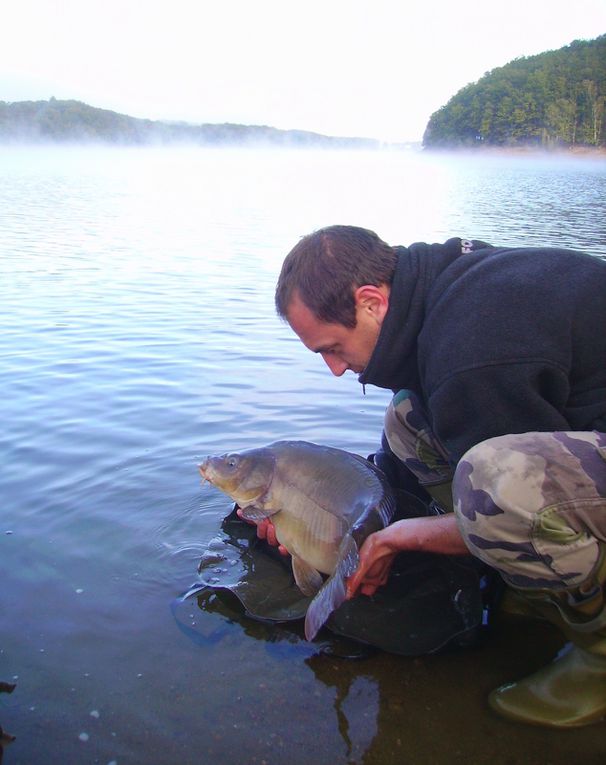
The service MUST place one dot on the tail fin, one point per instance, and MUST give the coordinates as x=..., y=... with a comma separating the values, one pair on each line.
x=333, y=591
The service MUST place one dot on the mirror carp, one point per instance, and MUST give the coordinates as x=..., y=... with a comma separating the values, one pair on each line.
x=323, y=503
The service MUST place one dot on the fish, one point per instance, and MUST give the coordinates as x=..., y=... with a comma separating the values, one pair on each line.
x=323, y=502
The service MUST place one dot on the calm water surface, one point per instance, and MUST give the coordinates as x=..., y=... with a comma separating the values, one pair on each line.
x=137, y=333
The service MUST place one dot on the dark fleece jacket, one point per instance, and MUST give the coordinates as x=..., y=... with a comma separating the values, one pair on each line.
x=496, y=340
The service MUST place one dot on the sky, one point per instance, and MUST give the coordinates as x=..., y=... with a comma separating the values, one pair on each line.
x=368, y=68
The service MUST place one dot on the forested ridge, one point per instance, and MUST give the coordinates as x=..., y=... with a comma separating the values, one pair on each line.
x=556, y=99
x=60, y=121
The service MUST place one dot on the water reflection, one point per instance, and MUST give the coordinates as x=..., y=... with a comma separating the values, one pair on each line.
x=356, y=706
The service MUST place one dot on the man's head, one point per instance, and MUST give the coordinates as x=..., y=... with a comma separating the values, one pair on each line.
x=334, y=292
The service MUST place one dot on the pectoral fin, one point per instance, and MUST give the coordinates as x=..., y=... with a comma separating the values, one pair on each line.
x=256, y=514
x=333, y=592
x=308, y=580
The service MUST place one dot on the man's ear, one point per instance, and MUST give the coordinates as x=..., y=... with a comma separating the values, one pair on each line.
x=372, y=300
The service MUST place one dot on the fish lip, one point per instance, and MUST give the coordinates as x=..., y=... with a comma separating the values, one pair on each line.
x=204, y=467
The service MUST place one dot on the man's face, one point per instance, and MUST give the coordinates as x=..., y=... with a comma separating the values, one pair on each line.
x=341, y=347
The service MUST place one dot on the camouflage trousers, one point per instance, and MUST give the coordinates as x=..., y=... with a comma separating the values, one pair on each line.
x=530, y=505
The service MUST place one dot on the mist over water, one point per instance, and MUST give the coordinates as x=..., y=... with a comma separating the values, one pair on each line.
x=137, y=333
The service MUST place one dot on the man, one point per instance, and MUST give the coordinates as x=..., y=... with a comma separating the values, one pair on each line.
x=497, y=359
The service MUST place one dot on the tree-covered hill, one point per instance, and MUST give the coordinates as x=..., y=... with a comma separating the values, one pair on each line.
x=74, y=121
x=554, y=99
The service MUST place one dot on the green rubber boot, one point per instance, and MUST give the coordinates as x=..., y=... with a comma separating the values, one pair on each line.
x=571, y=691
x=568, y=693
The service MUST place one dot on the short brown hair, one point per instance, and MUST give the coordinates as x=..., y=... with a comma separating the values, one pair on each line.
x=325, y=268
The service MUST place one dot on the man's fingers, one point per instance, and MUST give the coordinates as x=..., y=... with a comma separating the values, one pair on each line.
x=372, y=572
x=272, y=539
x=354, y=581
x=262, y=527
x=368, y=589
x=270, y=533
x=265, y=530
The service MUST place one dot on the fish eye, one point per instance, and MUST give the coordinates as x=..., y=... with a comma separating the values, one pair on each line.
x=231, y=461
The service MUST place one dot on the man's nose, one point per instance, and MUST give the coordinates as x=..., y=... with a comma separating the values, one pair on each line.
x=336, y=366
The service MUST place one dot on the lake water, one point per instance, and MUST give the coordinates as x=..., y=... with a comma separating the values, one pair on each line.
x=137, y=333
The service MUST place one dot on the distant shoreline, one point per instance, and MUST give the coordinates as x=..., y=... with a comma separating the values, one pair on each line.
x=580, y=152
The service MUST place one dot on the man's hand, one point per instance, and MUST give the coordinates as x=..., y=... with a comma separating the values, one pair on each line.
x=376, y=558
x=265, y=530
x=435, y=534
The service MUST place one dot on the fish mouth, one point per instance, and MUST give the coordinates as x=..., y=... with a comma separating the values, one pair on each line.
x=204, y=468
